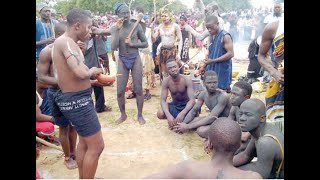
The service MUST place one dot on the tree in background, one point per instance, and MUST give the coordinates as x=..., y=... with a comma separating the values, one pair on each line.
x=107, y=5
x=231, y=5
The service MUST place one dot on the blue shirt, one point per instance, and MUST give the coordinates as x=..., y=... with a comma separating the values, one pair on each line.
x=43, y=32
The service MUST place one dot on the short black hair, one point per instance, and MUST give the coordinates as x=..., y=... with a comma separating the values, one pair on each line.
x=76, y=14
x=225, y=135
x=209, y=73
x=245, y=86
x=211, y=18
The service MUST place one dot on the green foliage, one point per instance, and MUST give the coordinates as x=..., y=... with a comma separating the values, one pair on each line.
x=107, y=5
x=230, y=5
x=93, y=5
x=64, y=6
x=148, y=4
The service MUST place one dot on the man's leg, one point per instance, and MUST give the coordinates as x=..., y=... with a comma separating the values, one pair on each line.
x=202, y=131
x=161, y=115
x=65, y=143
x=137, y=87
x=121, y=87
x=95, y=146
x=80, y=153
x=72, y=141
x=100, y=100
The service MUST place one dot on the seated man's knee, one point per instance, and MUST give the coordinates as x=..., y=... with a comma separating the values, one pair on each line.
x=202, y=131
x=160, y=114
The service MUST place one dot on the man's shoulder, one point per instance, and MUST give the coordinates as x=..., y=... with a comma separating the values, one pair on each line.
x=64, y=40
x=47, y=49
x=266, y=141
x=222, y=94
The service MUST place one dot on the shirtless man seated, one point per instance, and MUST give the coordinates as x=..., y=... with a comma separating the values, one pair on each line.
x=267, y=142
x=216, y=100
x=240, y=92
x=224, y=140
x=181, y=91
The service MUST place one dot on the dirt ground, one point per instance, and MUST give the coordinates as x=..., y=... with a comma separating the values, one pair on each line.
x=132, y=150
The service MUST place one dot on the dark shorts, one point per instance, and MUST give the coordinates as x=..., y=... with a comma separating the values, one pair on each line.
x=79, y=109
x=58, y=117
x=176, y=108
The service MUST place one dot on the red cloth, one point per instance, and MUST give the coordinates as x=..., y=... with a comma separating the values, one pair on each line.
x=37, y=174
x=44, y=127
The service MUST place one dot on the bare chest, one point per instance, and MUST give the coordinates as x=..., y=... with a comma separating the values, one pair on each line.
x=211, y=101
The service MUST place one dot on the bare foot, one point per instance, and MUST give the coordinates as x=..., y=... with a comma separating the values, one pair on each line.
x=121, y=119
x=70, y=163
x=141, y=120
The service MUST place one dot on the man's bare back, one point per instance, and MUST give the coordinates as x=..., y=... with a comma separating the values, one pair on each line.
x=45, y=67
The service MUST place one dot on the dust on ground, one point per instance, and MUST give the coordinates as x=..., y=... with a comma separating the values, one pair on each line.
x=132, y=150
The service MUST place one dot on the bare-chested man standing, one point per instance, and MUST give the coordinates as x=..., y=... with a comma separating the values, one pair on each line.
x=67, y=133
x=216, y=100
x=129, y=59
x=181, y=91
x=170, y=33
x=74, y=97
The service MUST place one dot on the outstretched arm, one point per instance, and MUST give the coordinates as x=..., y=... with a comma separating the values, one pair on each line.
x=266, y=42
x=214, y=114
x=196, y=108
x=196, y=34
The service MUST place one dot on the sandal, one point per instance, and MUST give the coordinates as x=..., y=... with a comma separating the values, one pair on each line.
x=70, y=163
x=147, y=97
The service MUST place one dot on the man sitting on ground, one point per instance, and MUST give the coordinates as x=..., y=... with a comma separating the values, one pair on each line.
x=240, y=92
x=266, y=142
x=216, y=100
x=181, y=90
